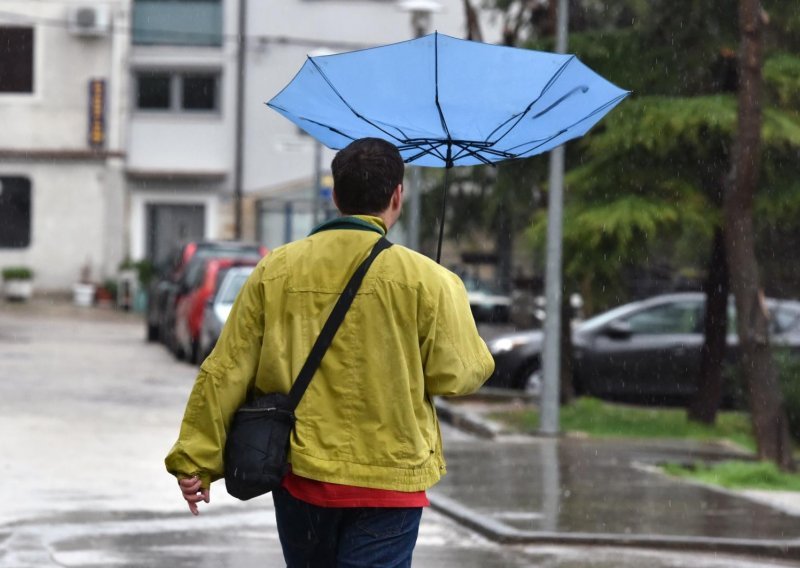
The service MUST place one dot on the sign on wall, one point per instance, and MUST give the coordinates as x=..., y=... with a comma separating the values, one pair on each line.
x=97, y=113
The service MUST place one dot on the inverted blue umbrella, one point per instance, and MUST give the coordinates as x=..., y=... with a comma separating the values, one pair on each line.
x=448, y=102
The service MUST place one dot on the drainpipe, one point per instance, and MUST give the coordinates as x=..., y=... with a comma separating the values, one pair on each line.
x=238, y=167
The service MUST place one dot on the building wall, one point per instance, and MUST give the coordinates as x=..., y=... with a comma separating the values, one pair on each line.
x=184, y=142
x=186, y=157
x=77, y=191
x=67, y=229
x=56, y=114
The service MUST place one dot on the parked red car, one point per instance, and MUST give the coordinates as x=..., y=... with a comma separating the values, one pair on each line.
x=202, y=282
x=169, y=282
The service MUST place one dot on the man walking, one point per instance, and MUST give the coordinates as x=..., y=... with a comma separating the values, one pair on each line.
x=366, y=444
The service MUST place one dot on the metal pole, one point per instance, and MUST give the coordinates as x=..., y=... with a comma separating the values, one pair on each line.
x=239, y=143
x=551, y=355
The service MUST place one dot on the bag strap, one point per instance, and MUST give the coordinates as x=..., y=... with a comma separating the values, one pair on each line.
x=332, y=325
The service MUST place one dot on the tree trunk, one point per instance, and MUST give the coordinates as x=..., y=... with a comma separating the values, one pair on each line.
x=504, y=244
x=706, y=401
x=473, y=23
x=758, y=367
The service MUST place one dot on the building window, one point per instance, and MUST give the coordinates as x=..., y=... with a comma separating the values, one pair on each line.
x=199, y=92
x=16, y=59
x=177, y=22
x=153, y=91
x=178, y=92
x=15, y=212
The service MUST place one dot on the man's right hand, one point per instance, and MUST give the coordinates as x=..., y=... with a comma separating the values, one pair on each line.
x=193, y=492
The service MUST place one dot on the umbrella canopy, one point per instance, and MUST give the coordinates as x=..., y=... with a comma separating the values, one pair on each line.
x=448, y=102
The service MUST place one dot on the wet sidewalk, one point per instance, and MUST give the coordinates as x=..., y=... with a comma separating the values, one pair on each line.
x=544, y=490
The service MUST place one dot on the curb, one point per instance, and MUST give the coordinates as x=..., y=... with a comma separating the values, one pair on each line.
x=503, y=534
x=466, y=421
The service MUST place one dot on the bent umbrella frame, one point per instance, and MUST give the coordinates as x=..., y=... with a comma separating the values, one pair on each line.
x=446, y=102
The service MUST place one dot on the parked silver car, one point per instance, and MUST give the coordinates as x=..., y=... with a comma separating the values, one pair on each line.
x=219, y=306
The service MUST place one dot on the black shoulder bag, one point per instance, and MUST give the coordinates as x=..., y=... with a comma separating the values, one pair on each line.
x=258, y=439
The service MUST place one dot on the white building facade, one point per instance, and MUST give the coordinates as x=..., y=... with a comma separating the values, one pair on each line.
x=62, y=103
x=119, y=133
x=181, y=121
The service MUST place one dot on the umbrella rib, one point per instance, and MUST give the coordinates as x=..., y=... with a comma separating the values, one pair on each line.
x=582, y=88
x=486, y=150
x=331, y=128
x=521, y=115
x=434, y=149
x=473, y=153
x=436, y=80
x=348, y=105
x=591, y=114
x=541, y=142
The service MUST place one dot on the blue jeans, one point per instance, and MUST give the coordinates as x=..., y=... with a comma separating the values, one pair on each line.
x=366, y=537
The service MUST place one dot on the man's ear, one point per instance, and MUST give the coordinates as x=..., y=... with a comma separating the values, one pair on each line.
x=397, y=195
x=335, y=198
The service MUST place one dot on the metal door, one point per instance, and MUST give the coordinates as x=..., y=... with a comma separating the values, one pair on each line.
x=169, y=225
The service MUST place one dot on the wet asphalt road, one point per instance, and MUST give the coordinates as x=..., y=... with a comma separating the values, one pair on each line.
x=88, y=410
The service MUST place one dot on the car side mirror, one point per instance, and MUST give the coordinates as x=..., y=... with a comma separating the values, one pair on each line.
x=618, y=330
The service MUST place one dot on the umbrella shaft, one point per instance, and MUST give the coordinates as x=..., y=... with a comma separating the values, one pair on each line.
x=444, y=209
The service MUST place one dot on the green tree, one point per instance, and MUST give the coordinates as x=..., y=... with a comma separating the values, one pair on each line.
x=668, y=150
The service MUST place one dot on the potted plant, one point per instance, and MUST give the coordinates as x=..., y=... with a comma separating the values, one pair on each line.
x=83, y=291
x=18, y=283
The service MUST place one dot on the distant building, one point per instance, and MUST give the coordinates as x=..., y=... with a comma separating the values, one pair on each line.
x=62, y=99
x=119, y=123
x=182, y=116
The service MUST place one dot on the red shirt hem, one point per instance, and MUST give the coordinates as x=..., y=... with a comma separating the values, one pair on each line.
x=324, y=494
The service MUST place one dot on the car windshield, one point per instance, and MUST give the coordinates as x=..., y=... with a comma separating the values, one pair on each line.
x=233, y=283
x=784, y=318
x=196, y=266
x=477, y=285
x=602, y=319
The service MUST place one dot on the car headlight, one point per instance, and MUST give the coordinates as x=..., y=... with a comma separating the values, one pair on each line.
x=505, y=344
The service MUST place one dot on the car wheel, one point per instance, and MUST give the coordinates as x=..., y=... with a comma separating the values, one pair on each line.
x=152, y=332
x=195, y=354
x=529, y=378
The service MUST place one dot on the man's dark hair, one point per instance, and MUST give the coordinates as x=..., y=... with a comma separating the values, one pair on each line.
x=365, y=174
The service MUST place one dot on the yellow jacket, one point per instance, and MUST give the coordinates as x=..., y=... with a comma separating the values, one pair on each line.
x=367, y=418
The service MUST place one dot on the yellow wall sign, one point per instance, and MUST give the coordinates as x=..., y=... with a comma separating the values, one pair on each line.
x=97, y=113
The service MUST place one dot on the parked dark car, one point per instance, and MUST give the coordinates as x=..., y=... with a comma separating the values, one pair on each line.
x=217, y=308
x=648, y=349
x=190, y=308
x=486, y=302
x=171, y=281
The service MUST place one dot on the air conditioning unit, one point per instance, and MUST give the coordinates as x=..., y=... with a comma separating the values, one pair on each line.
x=89, y=21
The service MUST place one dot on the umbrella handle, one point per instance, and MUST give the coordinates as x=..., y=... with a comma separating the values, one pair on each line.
x=444, y=209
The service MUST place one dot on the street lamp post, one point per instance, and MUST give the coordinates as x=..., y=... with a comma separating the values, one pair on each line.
x=420, y=12
x=551, y=355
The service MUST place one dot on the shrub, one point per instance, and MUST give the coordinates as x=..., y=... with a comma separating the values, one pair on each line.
x=146, y=271
x=17, y=273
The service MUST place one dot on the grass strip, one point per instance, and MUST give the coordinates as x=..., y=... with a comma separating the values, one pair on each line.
x=607, y=420
x=738, y=475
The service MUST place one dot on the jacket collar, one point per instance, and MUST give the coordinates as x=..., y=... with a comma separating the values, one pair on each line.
x=353, y=222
